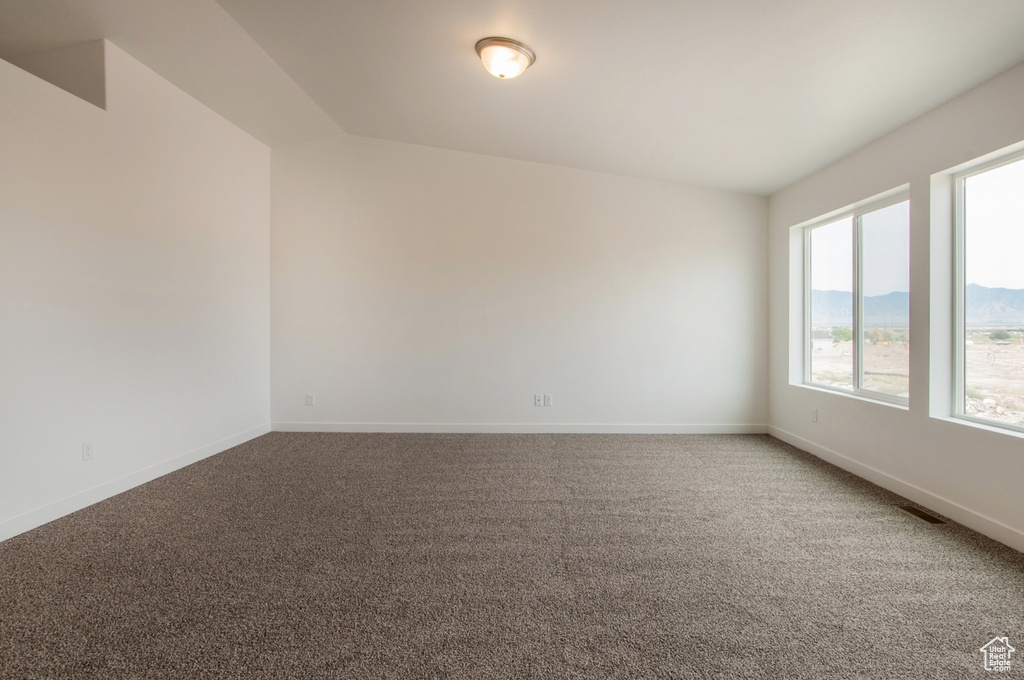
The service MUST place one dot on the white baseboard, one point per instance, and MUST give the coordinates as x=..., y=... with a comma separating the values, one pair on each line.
x=48, y=513
x=526, y=428
x=992, y=528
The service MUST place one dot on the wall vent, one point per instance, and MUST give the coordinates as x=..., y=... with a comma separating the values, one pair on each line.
x=920, y=514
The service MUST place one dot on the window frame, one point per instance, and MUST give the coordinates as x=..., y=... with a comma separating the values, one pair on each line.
x=960, y=292
x=856, y=212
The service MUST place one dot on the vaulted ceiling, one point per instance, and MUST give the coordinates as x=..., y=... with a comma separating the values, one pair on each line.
x=747, y=95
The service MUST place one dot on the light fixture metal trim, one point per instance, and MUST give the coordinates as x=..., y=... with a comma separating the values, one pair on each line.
x=508, y=44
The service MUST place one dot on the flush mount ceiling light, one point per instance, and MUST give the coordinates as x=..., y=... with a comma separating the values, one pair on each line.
x=505, y=58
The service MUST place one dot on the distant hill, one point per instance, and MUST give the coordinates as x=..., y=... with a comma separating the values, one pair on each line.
x=891, y=309
x=993, y=305
x=835, y=308
x=984, y=306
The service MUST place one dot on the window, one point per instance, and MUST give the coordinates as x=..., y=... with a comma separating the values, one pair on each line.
x=990, y=293
x=857, y=301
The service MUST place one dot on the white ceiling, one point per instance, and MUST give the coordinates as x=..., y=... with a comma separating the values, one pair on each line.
x=194, y=44
x=748, y=95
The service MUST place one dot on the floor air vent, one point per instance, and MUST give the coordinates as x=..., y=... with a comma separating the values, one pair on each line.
x=920, y=514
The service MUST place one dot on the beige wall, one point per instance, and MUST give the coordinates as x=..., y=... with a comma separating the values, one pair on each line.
x=134, y=288
x=422, y=289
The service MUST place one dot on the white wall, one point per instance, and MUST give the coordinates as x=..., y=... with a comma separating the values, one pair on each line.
x=134, y=288
x=973, y=474
x=422, y=289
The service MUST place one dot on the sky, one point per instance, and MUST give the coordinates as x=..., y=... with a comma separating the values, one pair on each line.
x=886, y=252
x=886, y=247
x=832, y=256
x=994, y=227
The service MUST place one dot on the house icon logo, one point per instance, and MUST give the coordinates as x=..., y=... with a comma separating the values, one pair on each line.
x=997, y=654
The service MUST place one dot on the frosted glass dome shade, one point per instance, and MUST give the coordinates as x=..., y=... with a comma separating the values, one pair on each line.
x=504, y=58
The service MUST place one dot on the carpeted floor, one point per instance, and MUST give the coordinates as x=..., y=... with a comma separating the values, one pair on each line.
x=505, y=556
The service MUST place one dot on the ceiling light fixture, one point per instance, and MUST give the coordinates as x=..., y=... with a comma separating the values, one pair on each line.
x=505, y=58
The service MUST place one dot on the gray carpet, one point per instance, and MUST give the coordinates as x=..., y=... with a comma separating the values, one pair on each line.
x=505, y=556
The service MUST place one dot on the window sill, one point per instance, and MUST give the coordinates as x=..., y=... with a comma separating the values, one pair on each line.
x=859, y=396
x=982, y=424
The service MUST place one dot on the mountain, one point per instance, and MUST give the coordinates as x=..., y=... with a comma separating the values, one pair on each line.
x=831, y=308
x=891, y=309
x=835, y=308
x=984, y=306
x=993, y=305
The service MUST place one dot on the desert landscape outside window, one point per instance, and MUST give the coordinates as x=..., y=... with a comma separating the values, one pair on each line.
x=990, y=305
x=885, y=308
x=858, y=301
x=831, y=308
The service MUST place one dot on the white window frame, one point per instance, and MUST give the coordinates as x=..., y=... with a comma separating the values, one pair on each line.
x=959, y=291
x=856, y=212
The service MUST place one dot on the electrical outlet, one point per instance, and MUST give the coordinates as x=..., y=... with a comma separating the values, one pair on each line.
x=86, y=451
x=538, y=400
x=310, y=400
x=814, y=415
x=547, y=400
